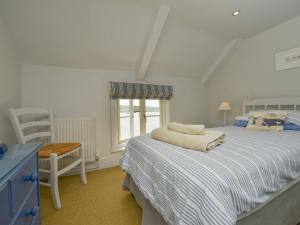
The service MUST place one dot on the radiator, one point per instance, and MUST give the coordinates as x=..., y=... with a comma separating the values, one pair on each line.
x=77, y=130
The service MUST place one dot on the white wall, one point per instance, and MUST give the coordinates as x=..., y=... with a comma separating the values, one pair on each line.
x=250, y=71
x=85, y=93
x=108, y=34
x=9, y=84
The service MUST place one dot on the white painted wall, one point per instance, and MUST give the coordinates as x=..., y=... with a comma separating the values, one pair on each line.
x=9, y=84
x=249, y=72
x=85, y=93
x=108, y=34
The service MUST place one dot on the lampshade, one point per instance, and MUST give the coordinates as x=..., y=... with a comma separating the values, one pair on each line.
x=225, y=106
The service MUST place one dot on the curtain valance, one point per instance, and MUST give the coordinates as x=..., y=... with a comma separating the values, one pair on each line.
x=123, y=90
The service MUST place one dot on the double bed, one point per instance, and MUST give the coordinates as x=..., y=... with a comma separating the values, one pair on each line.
x=252, y=178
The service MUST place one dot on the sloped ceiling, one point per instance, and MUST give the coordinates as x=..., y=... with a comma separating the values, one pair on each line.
x=110, y=34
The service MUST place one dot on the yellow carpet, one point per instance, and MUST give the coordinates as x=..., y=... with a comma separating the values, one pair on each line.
x=101, y=202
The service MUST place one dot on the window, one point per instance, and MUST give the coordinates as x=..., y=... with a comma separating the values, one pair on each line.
x=134, y=117
x=129, y=119
x=152, y=115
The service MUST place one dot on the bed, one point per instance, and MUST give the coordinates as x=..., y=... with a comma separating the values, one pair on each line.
x=253, y=178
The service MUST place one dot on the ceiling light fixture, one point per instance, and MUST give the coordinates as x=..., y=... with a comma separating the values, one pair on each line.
x=236, y=12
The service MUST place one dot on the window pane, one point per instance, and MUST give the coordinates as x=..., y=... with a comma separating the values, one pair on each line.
x=152, y=115
x=136, y=117
x=124, y=119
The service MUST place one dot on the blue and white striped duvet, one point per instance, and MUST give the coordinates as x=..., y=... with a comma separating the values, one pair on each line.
x=191, y=188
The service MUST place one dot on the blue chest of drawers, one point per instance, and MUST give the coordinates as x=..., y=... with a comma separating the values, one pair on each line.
x=19, y=186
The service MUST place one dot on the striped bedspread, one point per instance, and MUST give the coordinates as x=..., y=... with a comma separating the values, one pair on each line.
x=194, y=188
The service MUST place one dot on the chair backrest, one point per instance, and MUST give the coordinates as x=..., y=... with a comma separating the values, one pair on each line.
x=32, y=123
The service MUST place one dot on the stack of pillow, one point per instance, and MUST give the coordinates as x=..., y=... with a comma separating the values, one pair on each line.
x=269, y=120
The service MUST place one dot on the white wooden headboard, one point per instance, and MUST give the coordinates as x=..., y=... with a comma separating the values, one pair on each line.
x=292, y=103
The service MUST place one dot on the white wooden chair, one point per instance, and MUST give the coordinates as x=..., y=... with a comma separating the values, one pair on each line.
x=40, y=127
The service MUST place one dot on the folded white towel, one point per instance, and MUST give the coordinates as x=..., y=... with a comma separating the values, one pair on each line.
x=186, y=128
x=204, y=142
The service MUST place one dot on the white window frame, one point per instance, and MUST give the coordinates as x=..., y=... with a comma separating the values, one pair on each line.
x=115, y=123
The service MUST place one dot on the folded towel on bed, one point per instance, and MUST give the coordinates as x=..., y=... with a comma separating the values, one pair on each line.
x=186, y=128
x=203, y=143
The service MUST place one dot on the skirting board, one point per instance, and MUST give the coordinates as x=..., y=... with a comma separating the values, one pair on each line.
x=109, y=161
x=103, y=163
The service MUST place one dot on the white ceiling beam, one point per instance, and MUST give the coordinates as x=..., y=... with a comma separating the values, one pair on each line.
x=219, y=60
x=152, y=41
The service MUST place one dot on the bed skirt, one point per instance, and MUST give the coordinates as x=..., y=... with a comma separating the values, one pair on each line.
x=283, y=209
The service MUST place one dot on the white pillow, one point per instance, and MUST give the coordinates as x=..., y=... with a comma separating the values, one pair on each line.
x=243, y=117
x=293, y=117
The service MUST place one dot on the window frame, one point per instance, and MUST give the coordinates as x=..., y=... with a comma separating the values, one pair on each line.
x=118, y=145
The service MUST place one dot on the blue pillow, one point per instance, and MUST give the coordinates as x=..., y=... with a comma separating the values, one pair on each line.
x=291, y=126
x=241, y=123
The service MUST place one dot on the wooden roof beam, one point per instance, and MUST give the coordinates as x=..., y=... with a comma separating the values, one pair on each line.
x=225, y=52
x=152, y=41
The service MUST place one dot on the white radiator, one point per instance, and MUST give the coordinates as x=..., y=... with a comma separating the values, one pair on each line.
x=77, y=130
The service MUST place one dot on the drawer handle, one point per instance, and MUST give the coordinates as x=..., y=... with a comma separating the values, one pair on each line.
x=32, y=178
x=33, y=211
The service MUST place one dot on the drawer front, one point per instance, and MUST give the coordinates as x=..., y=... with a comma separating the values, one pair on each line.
x=30, y=211
x=23, y=182
x=4, y=205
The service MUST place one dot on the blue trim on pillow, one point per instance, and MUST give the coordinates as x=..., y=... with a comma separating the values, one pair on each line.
x=241, y=123
x=291, y=126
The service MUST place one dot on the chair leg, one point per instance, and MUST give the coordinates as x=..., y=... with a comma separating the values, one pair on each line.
x=82, y=165
x=54, y=180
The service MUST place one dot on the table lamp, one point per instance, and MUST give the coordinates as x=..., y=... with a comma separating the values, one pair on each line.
x=224, y=106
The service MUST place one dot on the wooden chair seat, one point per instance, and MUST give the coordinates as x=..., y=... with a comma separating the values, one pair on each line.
x=59, y=149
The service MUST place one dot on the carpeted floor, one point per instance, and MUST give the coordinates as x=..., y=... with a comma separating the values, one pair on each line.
x=101, y=202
